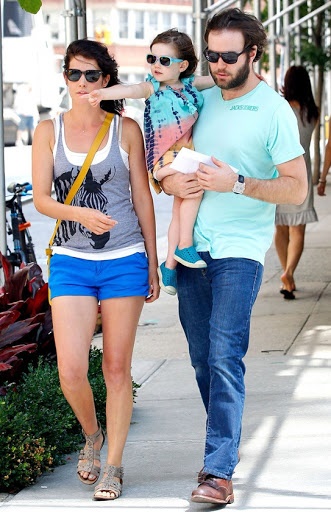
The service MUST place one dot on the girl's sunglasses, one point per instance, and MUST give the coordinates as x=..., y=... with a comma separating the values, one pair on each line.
x=164, y=61
x=91, y=75
x=227, y=57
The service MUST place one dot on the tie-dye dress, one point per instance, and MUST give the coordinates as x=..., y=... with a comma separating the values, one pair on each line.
x=168, y=120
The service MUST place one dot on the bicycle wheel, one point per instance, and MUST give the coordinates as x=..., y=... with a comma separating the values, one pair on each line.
x=25, y=238
x=27, y=246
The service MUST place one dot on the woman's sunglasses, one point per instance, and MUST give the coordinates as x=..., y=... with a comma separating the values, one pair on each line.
x=91, y=75
x=227, y=57
x=164, y=61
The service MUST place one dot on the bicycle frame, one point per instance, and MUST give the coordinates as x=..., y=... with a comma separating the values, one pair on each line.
x=23, y=249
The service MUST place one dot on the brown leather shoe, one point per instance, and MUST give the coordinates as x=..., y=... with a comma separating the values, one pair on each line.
x=214, y=490
x=202, y=475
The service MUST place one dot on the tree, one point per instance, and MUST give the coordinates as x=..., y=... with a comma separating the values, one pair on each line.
x=315, y=55
x=32, y=6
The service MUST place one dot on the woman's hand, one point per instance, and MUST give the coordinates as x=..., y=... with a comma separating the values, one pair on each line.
x=94, y=220
x=321, y=188
x=154, y=287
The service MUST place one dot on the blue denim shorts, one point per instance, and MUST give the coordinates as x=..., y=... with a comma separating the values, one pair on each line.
x=105, y=279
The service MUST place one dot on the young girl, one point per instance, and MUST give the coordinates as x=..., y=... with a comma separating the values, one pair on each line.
x=173, y=103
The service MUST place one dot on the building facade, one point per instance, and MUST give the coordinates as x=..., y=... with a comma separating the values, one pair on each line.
x=126, y=26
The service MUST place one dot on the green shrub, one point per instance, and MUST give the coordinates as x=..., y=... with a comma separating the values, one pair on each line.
x=50, y=416
x=24, y=456
x=37, y=425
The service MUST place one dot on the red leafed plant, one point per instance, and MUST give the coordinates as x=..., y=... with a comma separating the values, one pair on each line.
x=26, y=330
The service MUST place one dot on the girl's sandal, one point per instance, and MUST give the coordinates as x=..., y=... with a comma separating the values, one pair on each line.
x=109, y=485
x=88, y=455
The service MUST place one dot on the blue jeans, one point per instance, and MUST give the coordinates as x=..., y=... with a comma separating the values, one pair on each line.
x=215, y=306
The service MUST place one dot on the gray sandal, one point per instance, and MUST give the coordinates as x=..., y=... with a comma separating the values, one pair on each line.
x=109, y=484
x=88, y=455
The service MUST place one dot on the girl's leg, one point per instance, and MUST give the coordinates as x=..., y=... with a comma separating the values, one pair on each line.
x=187, y=216
x=120, y=318
x=173, y=233
x=74, y=320
x=186, y=253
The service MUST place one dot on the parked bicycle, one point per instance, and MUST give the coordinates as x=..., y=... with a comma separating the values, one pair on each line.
x=18, y=227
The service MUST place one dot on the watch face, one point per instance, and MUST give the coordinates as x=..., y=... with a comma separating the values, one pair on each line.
x=238, y=187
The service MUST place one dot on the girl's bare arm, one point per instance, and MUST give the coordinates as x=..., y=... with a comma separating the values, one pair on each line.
x=120, y=91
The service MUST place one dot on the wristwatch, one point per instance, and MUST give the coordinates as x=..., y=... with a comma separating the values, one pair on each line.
x=239, y=186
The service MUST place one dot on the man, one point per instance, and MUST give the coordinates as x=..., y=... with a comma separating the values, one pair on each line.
x=248, y=125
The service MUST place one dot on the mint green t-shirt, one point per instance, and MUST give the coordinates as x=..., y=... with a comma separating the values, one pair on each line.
x=253, y=133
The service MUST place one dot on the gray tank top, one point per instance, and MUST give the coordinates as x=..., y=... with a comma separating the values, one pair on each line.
x=106, y=188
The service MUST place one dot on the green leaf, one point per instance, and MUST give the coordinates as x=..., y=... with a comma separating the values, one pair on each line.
x=31, y=6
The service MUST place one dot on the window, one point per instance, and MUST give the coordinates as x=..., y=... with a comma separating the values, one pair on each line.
x=139, y=28
x=123, y=24
x=166, y=21
x=153, y=24
x=181, y=22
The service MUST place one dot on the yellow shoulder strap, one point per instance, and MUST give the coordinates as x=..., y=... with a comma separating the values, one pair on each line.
x=83, y=171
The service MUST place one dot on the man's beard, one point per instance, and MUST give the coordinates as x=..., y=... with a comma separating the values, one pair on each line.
x=237, y=81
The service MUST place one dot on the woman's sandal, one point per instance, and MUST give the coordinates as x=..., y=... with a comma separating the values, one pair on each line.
x=88, y=455
x=109, y=485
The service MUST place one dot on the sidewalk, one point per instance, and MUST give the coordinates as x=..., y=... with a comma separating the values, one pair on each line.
x=286, y=439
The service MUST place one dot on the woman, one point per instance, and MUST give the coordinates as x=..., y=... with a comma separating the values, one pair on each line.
x=104, y=250
x=291, y=220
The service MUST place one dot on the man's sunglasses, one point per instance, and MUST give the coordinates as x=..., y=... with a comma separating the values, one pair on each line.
x=227, y=57
x=91, y=75
x=164, y=61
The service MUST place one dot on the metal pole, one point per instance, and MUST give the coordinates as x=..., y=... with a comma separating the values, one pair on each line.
x=296, y=39
x=218, y=6
x=197, y=31
x=281, y=13
x=199, y=25
x=70, y=21
x=286, y=35
x=272, y=45
x=257, y=14
x=3, y=236
x=299, y=21
x=81, y=18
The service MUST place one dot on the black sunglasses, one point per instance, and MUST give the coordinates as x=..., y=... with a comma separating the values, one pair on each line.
x=164, y=61
x=91, y=75
x=227, y=57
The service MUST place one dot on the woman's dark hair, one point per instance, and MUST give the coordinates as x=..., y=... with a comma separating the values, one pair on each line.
x=183, y=46
x=108, y=65
x=235, y=19
x=297, y=87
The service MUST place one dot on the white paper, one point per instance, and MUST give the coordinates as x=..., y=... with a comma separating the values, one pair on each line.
x=187, y=161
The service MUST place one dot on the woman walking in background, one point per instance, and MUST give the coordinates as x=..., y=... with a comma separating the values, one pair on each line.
x=291, y=220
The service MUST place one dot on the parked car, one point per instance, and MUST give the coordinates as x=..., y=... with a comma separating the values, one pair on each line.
x=11, y=121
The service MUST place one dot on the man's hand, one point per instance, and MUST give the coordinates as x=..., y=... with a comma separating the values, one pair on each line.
x=182, y=185
x=220, y=179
